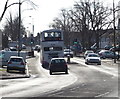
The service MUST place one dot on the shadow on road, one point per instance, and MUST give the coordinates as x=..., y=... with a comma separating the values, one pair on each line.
x=59, y=73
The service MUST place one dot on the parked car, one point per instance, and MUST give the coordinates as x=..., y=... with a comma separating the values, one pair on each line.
x=13, y=49
x=37, y=48
x=58, y=65
x=117, y=48
x=23, y=46
x=93, y=58
x=16, y=63
x=107, y=54
x=87, y=52
x=68, y=52
x=107, y=47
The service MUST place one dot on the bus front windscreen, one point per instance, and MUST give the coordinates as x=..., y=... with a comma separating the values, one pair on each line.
x=52, y=36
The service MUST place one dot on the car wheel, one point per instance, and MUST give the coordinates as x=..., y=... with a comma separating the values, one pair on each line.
x=86, y=63
x=71, y=56
x=50, y=72
x=7, y=70
x=104, y=57
x=99, y=63
x=23, y=71
x=66, y=72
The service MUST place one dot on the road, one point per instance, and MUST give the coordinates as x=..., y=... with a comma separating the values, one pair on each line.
x=82, y=81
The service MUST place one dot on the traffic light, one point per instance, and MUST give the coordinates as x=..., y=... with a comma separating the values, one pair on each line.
x=32, y=41
x=75, y=42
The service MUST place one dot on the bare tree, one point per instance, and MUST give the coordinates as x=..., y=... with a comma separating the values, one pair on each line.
x=64, y=23
x=9, y=5
x=88, y=18
x=11, y=28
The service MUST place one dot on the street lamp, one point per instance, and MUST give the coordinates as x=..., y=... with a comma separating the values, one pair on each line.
x=32, y=25
x=32, y=34
x=27, y=9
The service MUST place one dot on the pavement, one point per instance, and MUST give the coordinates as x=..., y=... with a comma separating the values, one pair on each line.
x=12, y=75
x=111, y=62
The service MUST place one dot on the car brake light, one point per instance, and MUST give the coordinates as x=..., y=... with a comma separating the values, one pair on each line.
x=9, y=62
x=22, y=63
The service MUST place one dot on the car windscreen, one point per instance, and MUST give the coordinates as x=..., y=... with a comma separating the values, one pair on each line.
x=93, y=55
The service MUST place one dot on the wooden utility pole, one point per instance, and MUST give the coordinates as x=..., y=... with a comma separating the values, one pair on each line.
x=114, y=31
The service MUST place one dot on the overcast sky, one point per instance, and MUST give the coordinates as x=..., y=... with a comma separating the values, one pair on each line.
x=41, y=18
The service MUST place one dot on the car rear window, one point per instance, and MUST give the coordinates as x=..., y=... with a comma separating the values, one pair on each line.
x=16, y=60
x=57, y=61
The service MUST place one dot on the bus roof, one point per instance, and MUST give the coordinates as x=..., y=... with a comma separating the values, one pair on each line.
x=51, y=30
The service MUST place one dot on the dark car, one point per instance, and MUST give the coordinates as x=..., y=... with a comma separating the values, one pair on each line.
x=58, y=65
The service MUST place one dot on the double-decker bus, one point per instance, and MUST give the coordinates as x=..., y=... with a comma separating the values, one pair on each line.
x=52, y=45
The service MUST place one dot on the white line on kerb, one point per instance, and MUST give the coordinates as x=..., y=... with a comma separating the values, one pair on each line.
x=102, y=94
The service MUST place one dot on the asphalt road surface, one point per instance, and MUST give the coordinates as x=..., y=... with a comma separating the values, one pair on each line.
x=95, y=81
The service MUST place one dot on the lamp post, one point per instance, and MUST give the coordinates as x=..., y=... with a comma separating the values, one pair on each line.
x=32, y=36
x=32, y=25
x=114, y=31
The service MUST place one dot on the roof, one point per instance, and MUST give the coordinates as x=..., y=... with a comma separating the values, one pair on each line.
x=16, y=57
x=93, y=54
x=53, y=30
x=57, y=58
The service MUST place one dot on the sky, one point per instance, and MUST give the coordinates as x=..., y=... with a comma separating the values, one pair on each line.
x=44, y=14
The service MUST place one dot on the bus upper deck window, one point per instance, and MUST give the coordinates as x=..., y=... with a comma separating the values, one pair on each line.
x=51, y=36
x=45, y=34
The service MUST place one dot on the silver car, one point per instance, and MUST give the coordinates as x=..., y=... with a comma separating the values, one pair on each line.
x=87, y=52
x=107, y=54
x=16, y=63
